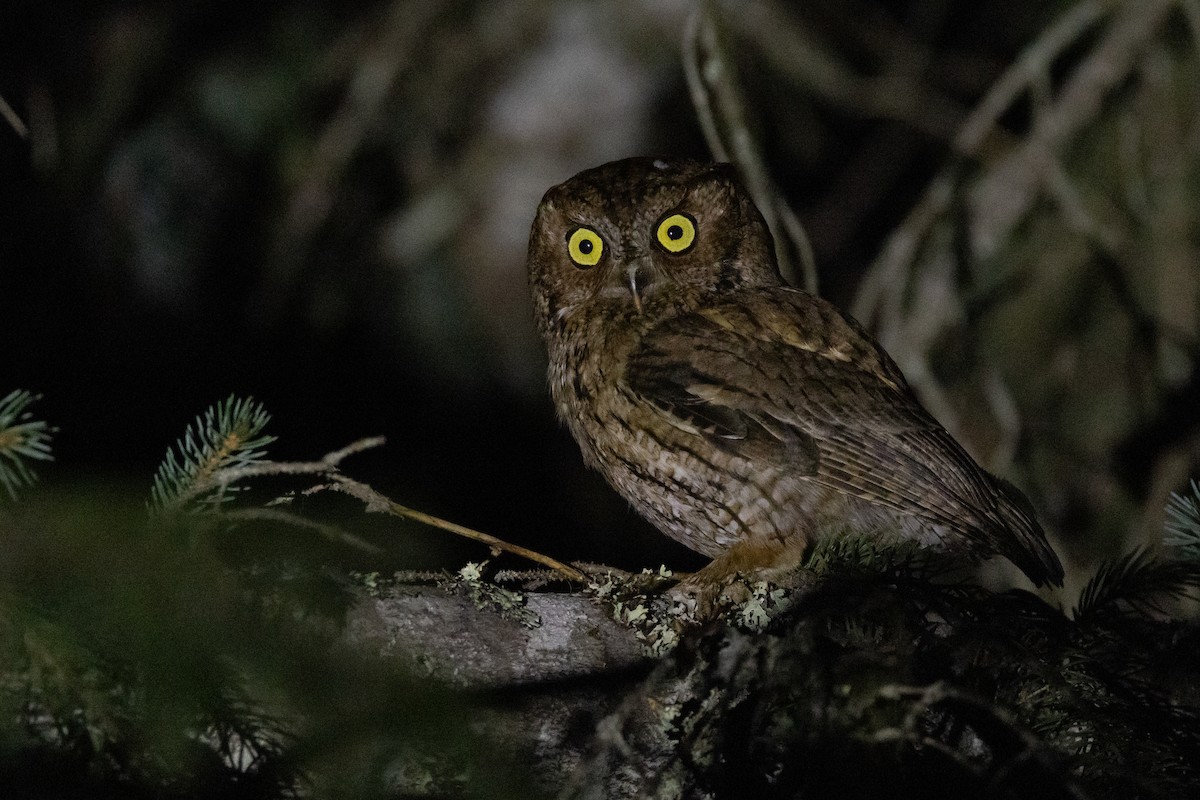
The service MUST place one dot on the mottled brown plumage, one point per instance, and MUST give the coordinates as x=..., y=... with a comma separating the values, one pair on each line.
x=728, y=408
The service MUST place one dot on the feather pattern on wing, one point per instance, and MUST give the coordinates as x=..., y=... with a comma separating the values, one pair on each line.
x=765, y=374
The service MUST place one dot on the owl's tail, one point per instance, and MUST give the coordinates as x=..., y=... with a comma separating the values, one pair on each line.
x=1024, y=542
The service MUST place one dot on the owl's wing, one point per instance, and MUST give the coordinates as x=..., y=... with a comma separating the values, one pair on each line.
x=783, y=377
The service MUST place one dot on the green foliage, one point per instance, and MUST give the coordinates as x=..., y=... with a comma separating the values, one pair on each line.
x=133, y=666
x=848, y=555
x=227, y=435
x=21, y=439
x=135, y=663
x=1183, y=523
x=1144, y=580
x=1137, y=582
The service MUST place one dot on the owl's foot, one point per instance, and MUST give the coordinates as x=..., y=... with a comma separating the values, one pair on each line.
x=741, y=581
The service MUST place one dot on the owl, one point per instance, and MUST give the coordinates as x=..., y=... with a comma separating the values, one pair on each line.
x=742, y=417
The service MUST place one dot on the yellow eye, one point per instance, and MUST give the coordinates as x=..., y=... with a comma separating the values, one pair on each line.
x=585, y=247
x=676, y=233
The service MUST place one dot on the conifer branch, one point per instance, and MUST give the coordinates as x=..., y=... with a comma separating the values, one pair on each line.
x=21, y=439
x=848, y=555
x=1140, y=580
x=1183, y=524
x=1137, y=582
x=228, y=435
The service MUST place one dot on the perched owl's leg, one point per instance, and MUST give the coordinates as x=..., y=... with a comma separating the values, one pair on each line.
x=771, y=558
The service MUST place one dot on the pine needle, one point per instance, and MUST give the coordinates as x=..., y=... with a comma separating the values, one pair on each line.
x=1136, y=582
x=849, y=555
x=21, y=439
x=1139, y=580
x=1183, y=524
x=228, y=434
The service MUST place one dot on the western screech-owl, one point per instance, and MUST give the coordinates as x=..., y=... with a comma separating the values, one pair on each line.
x=731, y=410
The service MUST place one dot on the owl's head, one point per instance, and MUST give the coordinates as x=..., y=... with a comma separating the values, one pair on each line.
x=643, y=234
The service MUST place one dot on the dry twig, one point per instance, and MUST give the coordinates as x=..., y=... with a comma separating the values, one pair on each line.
x=721, y=110
x=910, y=303
x=327, y=467
x=10, y=116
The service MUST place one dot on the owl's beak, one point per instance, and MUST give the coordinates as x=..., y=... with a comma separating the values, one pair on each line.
x=639, y=278
x=633, y=287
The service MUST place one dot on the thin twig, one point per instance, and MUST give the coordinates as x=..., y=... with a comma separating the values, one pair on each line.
x=395, y=47
x=893, y=291
x=1191, y=16
x=721, y=109
x=897, y=93
x=224, y=478
x=327, y=467
x=376, y=501
x=331, y=532
x=940, y=693
x=886, y=278
x=10, y=116
x=1029, y=68
x=1005, y=194
x=337, y=456
x=1007, y=414
x=700, y=95
x=408, y=577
